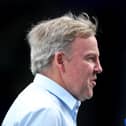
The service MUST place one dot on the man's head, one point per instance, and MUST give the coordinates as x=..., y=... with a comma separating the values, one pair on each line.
x=55, y=35
x=66, y=48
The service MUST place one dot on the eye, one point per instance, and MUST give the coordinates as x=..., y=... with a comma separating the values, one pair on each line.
x=91, y=58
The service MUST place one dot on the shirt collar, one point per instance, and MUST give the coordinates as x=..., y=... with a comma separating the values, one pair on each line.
x=57, y=90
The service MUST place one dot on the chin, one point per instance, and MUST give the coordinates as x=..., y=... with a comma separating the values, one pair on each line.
x=89, y=96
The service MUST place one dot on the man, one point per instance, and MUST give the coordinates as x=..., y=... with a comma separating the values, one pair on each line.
x=65, y=62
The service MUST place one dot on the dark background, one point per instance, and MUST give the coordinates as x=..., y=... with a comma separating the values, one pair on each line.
x=108, y=106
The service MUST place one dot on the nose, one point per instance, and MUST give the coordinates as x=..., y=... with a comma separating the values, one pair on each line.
x=98, y=67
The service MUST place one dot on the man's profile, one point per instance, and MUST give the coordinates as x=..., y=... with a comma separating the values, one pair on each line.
x=65, y=63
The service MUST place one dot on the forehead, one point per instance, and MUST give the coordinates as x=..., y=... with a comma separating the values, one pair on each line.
x=85, y=46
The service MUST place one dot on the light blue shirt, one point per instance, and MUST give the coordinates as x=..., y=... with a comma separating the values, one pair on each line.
x=43, y=103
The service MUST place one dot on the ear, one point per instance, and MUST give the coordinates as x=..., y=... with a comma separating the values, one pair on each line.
x=59, y=60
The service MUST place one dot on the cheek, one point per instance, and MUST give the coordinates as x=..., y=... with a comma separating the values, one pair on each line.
x=74, y=74
x=79, y=72
x=88, y=68
x=79, y=75
x=84, y=73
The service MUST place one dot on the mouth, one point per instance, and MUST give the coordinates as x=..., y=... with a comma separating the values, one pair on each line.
x=93, y=82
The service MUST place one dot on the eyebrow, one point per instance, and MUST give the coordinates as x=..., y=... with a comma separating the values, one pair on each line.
x=92, y=53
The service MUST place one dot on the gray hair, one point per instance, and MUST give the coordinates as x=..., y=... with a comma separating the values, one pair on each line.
x=57, y=34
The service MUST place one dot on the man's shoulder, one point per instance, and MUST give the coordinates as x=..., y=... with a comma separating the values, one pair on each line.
x=32, y=98
x=32, y=101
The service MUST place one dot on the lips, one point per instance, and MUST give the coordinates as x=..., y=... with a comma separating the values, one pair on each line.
x=93, y=82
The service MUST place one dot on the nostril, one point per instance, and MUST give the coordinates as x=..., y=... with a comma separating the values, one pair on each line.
x=98, y=70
